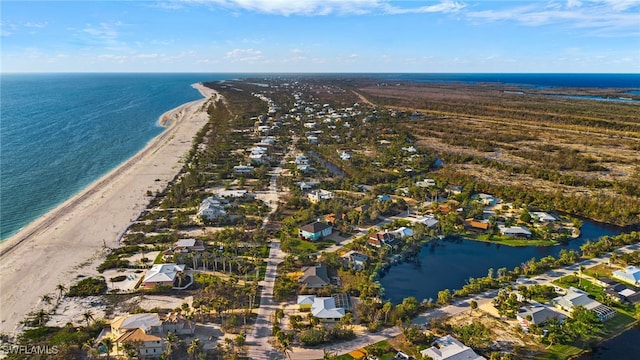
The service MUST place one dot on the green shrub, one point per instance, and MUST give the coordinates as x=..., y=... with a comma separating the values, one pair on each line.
x=88, y=287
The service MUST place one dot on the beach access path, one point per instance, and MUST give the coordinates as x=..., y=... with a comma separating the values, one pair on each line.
x=69, y=241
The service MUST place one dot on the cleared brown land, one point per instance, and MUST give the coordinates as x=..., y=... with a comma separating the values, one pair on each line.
x=509, y=136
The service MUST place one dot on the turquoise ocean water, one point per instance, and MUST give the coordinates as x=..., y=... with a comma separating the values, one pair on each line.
x=61, y=132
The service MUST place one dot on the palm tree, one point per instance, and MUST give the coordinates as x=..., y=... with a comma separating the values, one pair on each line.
x=41, y=317
x=172, y=342
x=283, y=343
x=347, y=320
x=194, y=348
x=88, y=316
x=386, y=308
x=133, y=349
x=46, y=299
x=108, y=344
x=473, y=304
x=61, y=289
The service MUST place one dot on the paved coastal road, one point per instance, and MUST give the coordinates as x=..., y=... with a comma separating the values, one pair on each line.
x=258, y=339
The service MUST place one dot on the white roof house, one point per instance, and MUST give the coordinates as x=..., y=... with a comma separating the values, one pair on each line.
x=402, y=232
x=427, y=220
x=426, y=183
x=518, y=231
x=487, y=199
x=211, y=208
x=325, y=308
x=355, y=260
x=319, y=195
x=576, y=297
x=630, y=274
x=162, y=274
x=306, y=299
x=543, y=216
x=232, y=193
x=149, y=322
x=449, y=348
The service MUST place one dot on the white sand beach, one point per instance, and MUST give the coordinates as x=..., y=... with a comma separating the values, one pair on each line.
x=69, y=240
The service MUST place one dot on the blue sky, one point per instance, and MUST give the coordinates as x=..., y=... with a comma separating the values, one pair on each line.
x=321, y=36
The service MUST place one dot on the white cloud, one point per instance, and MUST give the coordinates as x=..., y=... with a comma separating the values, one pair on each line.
x=35, y=25
x=621, y=5
x=244, y=55
x=147, y=56
x=327, y=7
x=6, y=32
x=103, y=31
x=104, y=35
x=574, y=4
x=603, y=18
x=446, y=6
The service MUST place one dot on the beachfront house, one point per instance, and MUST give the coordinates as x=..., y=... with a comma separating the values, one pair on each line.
x=188, y=245
x=449, y=348
x=142, y=331
x=162, y=274
x=315, y=231
x=630, y=274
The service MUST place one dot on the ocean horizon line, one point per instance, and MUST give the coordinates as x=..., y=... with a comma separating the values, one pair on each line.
x=317, y=72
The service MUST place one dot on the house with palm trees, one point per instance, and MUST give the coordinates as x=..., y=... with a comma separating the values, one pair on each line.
x=176, y=323
x=146, y=334
x=140, y=333
x=162, y=274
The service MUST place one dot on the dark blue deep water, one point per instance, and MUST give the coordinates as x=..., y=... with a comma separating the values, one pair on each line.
x=60, y=132
x=449, y=263
x=622, y=347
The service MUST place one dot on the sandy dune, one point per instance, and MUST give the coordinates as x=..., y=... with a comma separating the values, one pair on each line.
x=69, y=240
